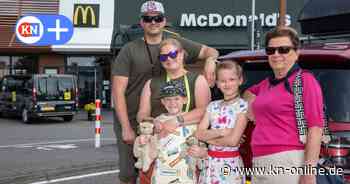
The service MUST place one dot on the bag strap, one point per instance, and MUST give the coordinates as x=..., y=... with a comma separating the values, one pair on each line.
x=299, y=112
x=299, y=108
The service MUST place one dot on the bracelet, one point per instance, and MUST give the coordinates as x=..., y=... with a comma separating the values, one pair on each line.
x=310, y=163
x=180, y=120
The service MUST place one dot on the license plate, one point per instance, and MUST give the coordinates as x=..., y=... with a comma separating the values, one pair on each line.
x=47, y=108
x=67, y=107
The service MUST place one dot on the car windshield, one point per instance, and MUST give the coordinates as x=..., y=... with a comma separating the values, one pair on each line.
x=335, y=84
x=53, y=88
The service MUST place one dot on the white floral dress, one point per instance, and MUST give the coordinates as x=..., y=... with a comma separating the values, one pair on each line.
x=223, y=116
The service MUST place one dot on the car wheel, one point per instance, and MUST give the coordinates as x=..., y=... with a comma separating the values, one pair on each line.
x=25, y=116
x=67, y=118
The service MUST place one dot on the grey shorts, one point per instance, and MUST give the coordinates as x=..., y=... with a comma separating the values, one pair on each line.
x=126, y=156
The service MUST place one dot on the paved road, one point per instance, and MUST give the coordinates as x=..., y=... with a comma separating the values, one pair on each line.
x=50, y=149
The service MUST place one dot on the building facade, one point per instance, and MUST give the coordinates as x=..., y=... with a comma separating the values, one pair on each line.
x=102, y=27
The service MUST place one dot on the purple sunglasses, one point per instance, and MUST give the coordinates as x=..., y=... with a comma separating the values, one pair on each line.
x=171, y=54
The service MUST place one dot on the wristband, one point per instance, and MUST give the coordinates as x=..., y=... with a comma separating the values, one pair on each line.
x=180, y=120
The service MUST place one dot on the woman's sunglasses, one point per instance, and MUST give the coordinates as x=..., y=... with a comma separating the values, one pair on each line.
x=172, y=54
x=149, y=19
x=281, y=50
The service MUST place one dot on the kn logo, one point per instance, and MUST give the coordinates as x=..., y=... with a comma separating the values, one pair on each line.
x=44, y=30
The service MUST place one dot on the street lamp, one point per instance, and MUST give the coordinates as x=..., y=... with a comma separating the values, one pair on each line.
x=282, y=12
x=252, y=40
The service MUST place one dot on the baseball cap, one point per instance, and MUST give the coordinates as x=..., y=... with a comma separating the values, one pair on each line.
x=152, y=7
x=172, y=88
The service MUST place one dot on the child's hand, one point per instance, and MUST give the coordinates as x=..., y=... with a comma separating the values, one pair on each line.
x=170, y=125
x=157, y=126
x=143, y=139
x=198, y=152
x=163, y=133
x=225, y=131
x=243, y=138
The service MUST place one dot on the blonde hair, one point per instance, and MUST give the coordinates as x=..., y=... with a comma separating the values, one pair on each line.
x=230, y=65
x=171, y=41
x=174, y=42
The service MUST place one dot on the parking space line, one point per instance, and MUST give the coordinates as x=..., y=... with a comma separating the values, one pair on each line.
x=55, y=142
x=77, y=177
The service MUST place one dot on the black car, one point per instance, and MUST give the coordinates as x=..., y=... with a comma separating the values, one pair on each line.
x=39, y=95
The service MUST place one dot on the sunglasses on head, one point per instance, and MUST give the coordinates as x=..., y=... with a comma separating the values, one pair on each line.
x=172, y=54
x=149, y=19
x=281, y=50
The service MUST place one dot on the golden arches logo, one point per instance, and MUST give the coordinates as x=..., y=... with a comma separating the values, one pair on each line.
x=85, y=10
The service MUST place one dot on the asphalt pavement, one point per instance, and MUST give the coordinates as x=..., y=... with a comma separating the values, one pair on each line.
x=29, y=160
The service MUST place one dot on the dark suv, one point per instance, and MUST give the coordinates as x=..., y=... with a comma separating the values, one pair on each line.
x=39, y=95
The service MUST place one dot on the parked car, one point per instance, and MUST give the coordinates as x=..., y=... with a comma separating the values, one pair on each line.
x=39, y=95
x=330, y=63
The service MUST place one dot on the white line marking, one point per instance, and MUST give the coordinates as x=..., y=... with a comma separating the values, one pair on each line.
x=77, y=177
x=54, y=142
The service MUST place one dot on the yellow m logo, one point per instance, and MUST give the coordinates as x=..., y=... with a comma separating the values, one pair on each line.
x=81, y=15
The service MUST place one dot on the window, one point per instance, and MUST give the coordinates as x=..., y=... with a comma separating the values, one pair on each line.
x=18, y=64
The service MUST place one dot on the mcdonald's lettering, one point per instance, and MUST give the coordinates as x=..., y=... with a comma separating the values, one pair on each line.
x=86, y=15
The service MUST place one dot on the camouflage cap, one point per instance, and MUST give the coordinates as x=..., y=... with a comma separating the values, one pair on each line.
x=172, y=88
x=152, y=7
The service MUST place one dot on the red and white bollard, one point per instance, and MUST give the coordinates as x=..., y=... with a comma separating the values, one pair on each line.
x=98, y=124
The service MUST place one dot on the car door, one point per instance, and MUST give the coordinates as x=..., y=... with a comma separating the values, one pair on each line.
x=7, y=94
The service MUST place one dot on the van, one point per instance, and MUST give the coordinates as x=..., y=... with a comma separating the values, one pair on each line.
x=39, y=95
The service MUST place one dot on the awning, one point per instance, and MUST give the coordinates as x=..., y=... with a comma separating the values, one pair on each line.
x=325, y=17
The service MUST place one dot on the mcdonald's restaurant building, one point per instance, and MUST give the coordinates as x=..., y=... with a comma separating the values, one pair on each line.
x=102, y=27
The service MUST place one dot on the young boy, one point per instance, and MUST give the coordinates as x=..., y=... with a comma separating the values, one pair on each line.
x=174, y=164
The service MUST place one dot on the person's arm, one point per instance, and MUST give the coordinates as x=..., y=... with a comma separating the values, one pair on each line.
x=205, y=134
x=202, y=98
x=145, y=102
x=314, y=115
x=209, y=55
x=234, y=137
x=313, y=144
x=249, y=97
x=119, y=84
x=201, y=132
x=312, y=151
x=197, y=51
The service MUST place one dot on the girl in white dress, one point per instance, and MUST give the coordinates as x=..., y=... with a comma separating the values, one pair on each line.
x=222, y=127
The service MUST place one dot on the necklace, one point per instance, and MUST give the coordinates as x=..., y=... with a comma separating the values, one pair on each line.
x=231, y=99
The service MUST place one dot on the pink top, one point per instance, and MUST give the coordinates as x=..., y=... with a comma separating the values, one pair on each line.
x=273, y=108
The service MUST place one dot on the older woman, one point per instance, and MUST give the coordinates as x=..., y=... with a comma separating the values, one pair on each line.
x=275, y=141
x=197, y=91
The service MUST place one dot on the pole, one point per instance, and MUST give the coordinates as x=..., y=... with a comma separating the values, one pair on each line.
x=282, y=12
x=98, y=123
x=252, y=43
x=95, y=83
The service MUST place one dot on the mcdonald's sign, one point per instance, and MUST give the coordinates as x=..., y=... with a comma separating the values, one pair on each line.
x=86, y=15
